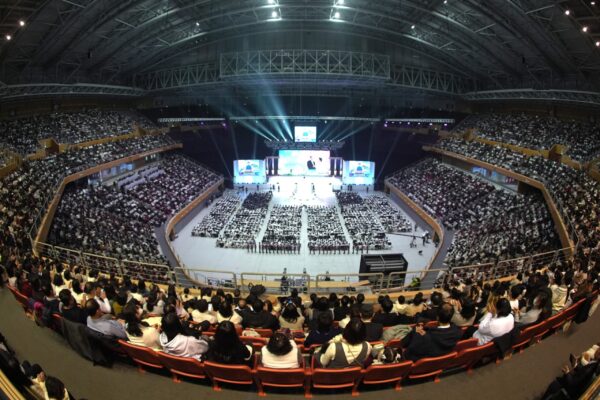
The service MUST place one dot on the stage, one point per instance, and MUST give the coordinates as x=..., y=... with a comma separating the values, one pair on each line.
x=202, y=253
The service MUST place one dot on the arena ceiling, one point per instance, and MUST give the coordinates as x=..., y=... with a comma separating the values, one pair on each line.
x=492, y=44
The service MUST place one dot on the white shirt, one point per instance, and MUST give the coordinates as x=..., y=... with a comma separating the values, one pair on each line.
x=492, y=327
x=289, y=360
x=198, y=316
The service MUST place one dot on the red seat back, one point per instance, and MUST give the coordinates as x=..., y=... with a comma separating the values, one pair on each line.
x=465, y=344
x=257, y=343
x=185, y=366
x=431, y=366
x=143, y=356
x=235, y=374
x=293, y=377
x=376, y=374
x=467, y=358
x=335, y=378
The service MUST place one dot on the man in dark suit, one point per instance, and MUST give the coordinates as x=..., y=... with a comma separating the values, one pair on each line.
x=431, y=314
x=374, y=329
x=258, y=317
x=387, y=317
x=436, y=341
x=310, y=164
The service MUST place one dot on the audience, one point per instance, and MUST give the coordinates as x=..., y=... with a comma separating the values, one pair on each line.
x=364, y=227
x=173, y=339
x=495, y=324
x=241, y=231
x=350, y=349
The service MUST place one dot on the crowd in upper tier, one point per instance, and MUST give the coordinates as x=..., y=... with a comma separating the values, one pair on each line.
x=538, y=132
x=22, y=135
x=24, y=194
x=576, y=195
x=118, y=221
x=490, y=224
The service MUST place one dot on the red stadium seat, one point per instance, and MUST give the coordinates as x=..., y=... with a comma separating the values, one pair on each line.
x=465, y=344
x=257, y=343
x=324, y=378
x=282, y=378
x=431, y=367
x=525, y=337
x=224, y=373
x=389, y=373
x=56, y=324
x=142, y=356
x=468, y=358
x=265, y=333
x=182, y=366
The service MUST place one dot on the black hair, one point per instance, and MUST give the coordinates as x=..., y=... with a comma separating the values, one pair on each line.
x=401, y=299
x=129, y=314
x=290, y=312
x=418, y=299
x=324, y=322
x=445, y=313
x=360, y=298
x=225, y=309
x=436, y=299
x=226, y=340
x=322, y=304
x=503, y=307
x=516, y=291
x=279, y=344
x=468, y=309
x=91, y=307
x=202, y=305
x=257, y=305
x=171, y=325
x=76, y=286
x=355, y=332
x=55, y=388
x=65, y=297
x=387, y=305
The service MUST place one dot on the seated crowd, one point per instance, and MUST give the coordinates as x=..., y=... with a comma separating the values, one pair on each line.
x=364, y=227
x=241, y=231
x=577, y=196
x=491, y=224
x=283, y=230
x=120, y=222
x=221, y=212
x=22, y=134
x=342, y=332
x=25, y=193
x=581, y=138
x=325, y=231
x=391, y=218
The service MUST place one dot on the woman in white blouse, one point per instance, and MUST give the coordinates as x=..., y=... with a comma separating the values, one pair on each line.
x=495, y=325
x=280, y=352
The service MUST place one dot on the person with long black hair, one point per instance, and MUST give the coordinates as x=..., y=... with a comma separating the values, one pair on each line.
x=174, y=340
x=227, y=348
x=139, y=332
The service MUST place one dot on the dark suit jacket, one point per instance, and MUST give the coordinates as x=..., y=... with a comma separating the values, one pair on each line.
x=436, y=342
x=386, y=319
x=262, y=319
x=374, y=331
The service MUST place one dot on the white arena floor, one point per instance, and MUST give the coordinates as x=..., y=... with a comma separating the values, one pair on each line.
x=202, y=253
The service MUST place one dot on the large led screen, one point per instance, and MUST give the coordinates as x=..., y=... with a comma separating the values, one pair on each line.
x=358, y=173
x=305, y=133
x=304, y=163
x=249, y=171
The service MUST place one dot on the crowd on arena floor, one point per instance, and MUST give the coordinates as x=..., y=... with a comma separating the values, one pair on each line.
x=491, y=224
x=118, y=221
x=221, y=212
x=581, y=138
x=325, y=231
x=22, y=134
x=283, y=230
x=576, y=195
x=25, y=192
x=391, y=218
x=242, y=230
x=364, y=227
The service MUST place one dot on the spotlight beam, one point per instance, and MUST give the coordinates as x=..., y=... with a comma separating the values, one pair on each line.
x=387, y=157
x=214, y=140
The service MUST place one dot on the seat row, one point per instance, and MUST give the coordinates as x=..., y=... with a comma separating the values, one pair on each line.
x=465, y=356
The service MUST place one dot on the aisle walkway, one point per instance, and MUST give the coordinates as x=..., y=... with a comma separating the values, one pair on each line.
x=525, y=376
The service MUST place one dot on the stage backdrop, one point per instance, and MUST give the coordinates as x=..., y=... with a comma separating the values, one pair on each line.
x=249, y=171
x=304, y=163
x=358, y=173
